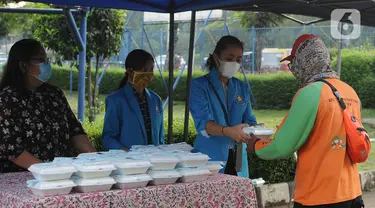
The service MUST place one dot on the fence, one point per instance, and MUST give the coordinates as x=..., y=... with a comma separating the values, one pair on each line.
x=156, y=41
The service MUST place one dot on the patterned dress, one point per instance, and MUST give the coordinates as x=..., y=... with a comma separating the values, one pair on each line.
x=40, y=122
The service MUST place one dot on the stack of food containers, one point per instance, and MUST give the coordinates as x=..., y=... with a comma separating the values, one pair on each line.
x=163, y=170
x=131, y=172
x=93, y=174
x=51, y=179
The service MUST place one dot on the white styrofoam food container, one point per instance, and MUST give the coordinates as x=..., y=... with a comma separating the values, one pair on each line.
x=93, y=168
x=130, y=166
x=50, y=188
x=261, y=133
x=214, y=166
x=163, y=177
x=179, y=146
x=52, y=171
x=163, y=162
x=132, y=181
x=193, y=174
x=192, y=160
x=258, y=182
x=93, y=184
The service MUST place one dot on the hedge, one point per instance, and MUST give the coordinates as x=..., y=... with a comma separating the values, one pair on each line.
x=272, y=171
x=358, y=70
x=271, y=91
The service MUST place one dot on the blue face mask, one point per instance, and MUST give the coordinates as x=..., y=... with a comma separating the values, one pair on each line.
x=45, y=72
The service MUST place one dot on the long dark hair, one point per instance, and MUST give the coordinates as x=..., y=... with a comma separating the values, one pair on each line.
x=21, y=51
x=135, y=60
x=223, y=44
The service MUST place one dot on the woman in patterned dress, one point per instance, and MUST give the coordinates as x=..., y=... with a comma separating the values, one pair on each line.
x=36, y=122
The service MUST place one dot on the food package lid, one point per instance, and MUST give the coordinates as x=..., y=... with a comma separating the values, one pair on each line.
x=214, y=166
x=90, y=165
x=155, y=174
x=258, y=131
x=63, y=159
x=117, y=151
x=142, y=146
x=132, y=178
x=92, y=155
x=52, y=168
x=93, y=181
x=129, y=162
x=193, y=156
x=258, y=181
x=162, y=158
x=193, y=171
x=47, y=185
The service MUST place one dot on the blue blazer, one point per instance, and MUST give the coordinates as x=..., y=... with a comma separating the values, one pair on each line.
x=123, y=122
x=205, y=106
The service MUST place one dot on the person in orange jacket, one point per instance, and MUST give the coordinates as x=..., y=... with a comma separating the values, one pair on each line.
x=314, y=127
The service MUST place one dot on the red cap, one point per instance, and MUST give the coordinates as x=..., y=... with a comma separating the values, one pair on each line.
x=299, y=40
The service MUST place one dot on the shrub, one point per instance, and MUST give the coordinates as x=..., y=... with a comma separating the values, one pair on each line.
x=358, y=70
x=272, y=171
x=271, y=91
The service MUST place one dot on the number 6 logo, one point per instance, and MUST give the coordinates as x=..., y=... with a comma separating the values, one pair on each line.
x=351, y=24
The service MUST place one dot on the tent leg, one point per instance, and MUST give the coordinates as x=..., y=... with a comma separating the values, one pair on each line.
x=184, y=66
x=82, y=69
x=171, y=76
x=253, y=49
x=189, y=76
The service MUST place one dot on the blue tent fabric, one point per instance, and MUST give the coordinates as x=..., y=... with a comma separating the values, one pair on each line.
x=317, y=8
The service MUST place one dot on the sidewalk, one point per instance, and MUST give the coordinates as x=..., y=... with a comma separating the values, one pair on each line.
x=368, y=198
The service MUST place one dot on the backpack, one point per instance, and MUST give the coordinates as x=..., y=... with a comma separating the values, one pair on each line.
x=358, y=143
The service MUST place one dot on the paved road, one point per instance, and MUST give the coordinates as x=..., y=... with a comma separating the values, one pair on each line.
x=368, y=197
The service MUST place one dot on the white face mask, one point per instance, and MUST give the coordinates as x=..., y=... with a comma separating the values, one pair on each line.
x=229, y=69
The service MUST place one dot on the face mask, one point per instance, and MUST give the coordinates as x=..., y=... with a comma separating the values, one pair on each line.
x=228, y=69
x=142, y=79
x=45, y=72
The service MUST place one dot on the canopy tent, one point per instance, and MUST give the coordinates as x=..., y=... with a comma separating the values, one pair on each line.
x=317, y=8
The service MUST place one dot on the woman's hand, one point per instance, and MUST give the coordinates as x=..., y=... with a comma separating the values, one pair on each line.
x=236, y=133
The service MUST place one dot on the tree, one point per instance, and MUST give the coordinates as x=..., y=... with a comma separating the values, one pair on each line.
x=260, y=20
x=104, y=40
x=104, y=34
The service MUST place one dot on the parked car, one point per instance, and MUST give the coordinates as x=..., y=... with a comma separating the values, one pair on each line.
x=270, y=60
x=179, y=62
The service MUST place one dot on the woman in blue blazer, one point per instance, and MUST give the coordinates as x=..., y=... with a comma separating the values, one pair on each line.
x=134, y=114
x=220, y=105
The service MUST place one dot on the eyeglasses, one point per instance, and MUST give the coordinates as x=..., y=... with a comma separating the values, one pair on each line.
x=290, y=64
x=40, y=61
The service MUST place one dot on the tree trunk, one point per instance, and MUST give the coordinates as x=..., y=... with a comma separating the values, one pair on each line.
x=95, y=90
x=258, y=53
x=89, y=91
